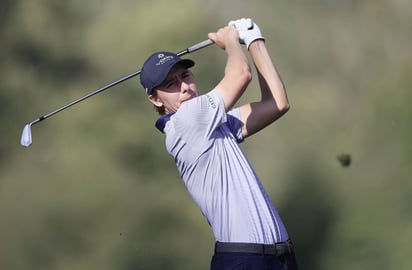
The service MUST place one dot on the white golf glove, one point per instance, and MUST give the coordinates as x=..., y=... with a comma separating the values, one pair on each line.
x=248, y=31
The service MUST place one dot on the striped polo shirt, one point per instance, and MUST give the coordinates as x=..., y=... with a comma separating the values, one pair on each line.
x=204, y=141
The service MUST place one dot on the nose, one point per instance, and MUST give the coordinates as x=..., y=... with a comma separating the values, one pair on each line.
x=184, y=87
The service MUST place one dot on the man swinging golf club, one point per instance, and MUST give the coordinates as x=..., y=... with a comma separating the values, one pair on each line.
x=203, y=133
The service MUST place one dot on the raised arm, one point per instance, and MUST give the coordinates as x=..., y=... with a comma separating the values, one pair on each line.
x=237, y=71
x=274, y=102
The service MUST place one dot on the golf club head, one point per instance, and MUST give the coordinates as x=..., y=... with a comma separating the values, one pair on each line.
x=26, y=136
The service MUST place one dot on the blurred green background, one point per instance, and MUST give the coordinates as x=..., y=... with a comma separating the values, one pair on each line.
x=97, y=190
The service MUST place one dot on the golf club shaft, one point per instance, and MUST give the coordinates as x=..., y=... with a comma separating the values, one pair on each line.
x=41, y=118
x=191, y=49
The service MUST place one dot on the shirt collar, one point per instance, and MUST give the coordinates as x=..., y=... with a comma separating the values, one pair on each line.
x=161, y=122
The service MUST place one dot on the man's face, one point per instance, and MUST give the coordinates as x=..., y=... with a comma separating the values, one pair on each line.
x=178, y=87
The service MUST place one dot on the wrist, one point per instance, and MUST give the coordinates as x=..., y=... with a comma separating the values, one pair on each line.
x=256, y=43
x=233, y=45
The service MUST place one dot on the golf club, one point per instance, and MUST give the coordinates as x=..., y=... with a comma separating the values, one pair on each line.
x=26, y=138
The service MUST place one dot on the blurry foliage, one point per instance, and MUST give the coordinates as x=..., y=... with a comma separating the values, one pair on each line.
x=97, y=190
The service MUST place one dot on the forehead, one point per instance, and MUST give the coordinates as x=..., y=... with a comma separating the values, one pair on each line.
x=177, y=69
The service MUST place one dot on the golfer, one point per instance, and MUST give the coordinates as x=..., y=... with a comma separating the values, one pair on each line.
x=203, y=133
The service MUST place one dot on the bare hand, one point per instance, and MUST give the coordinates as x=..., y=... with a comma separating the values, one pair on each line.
x=225, y=36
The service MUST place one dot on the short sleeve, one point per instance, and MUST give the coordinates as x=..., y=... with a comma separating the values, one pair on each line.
x=200, y=117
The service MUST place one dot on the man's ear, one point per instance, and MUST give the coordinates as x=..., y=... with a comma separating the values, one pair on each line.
x=155, y=100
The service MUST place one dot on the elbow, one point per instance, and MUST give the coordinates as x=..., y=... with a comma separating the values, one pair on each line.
x=284, y=108
x=282, y=103
x=281, y=109
x=246, y=75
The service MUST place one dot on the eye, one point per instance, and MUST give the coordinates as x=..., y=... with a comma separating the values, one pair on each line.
x=169, y=83
x=186, y=76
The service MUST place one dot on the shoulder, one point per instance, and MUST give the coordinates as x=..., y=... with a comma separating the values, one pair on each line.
x=200, y=115
x=209, y=102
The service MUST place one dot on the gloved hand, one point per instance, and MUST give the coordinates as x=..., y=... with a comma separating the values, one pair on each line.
x=242, y=25
x=248, y=31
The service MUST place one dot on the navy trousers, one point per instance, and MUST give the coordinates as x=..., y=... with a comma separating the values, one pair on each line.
x=246, y=261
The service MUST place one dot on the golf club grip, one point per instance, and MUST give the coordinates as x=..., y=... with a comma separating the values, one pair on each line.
x=200, y=45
